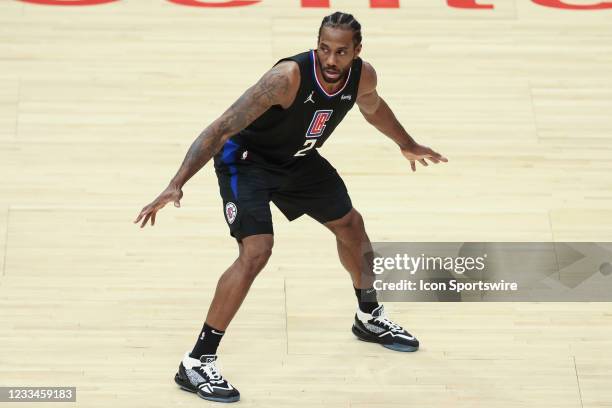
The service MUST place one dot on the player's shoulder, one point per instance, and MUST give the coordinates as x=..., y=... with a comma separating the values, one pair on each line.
x=287, y=69
x=285, y=78
x=368, y=79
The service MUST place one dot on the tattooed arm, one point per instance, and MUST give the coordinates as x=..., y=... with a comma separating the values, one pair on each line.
x=278, y=86
x=272, y=89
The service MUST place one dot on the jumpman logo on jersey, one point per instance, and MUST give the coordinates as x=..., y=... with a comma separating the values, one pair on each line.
x=309, y=99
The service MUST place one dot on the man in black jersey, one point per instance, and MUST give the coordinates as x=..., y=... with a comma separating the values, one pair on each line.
x=264, y=149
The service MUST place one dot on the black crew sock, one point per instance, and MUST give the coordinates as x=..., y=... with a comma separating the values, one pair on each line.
x=367, y=299
x=208, y=341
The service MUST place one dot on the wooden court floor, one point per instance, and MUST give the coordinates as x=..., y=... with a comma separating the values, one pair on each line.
x=98, y=105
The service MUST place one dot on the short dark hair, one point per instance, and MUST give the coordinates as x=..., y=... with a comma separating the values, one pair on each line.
x=343, y=21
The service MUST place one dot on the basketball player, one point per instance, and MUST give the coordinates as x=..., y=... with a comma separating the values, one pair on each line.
x=265, y=149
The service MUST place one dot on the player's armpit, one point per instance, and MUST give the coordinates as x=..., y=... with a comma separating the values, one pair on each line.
x=368, y=99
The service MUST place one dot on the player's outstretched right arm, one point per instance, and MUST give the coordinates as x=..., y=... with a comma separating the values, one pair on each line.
x=278, y=86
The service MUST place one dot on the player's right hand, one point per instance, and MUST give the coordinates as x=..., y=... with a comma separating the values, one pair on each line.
x=171, y=193
x=419, y=153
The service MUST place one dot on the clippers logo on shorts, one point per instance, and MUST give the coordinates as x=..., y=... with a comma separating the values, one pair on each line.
x=317, y=125
x=230, y=212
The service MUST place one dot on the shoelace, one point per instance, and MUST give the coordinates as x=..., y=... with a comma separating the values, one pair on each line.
x=212, y=372
x=388, y=323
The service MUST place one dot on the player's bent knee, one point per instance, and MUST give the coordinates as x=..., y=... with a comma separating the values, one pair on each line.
x=255, y=254
x=253, y=263
x=356, y=228
x=349, y=227
x=356, y=222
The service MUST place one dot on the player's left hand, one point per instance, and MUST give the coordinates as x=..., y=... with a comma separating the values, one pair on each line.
x=421, y=153
x=172, y=193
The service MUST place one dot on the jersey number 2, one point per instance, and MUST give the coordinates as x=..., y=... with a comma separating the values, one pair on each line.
x=310, y=143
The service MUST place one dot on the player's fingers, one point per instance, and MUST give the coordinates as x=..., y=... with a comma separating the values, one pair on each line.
x=153, y=219
x=439, y=156
x=423, y=162
x=433, y=153
x=144, y=222
x=412, y=165
x=140, y=215
x=433, y=160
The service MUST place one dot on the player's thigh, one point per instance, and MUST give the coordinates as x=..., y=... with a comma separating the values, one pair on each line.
x=316, y=190
x=246, y=201
x=330, y=201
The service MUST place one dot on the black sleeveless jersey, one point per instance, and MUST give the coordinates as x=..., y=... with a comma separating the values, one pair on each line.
x=282, y=136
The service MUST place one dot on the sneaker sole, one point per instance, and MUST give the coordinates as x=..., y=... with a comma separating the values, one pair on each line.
x=233, y=399
x=186, y=386
x=372, y=339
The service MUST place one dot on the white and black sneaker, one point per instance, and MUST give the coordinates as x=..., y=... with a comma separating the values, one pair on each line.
x=377, y=328
x=203, y=377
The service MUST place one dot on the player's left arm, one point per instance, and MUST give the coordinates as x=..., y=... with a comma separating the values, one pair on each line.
x=376, y=111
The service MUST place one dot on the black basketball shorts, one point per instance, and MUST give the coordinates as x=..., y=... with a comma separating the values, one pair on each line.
x=310, y=185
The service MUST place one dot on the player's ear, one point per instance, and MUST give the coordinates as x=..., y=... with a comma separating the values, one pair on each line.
x=357, y=51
